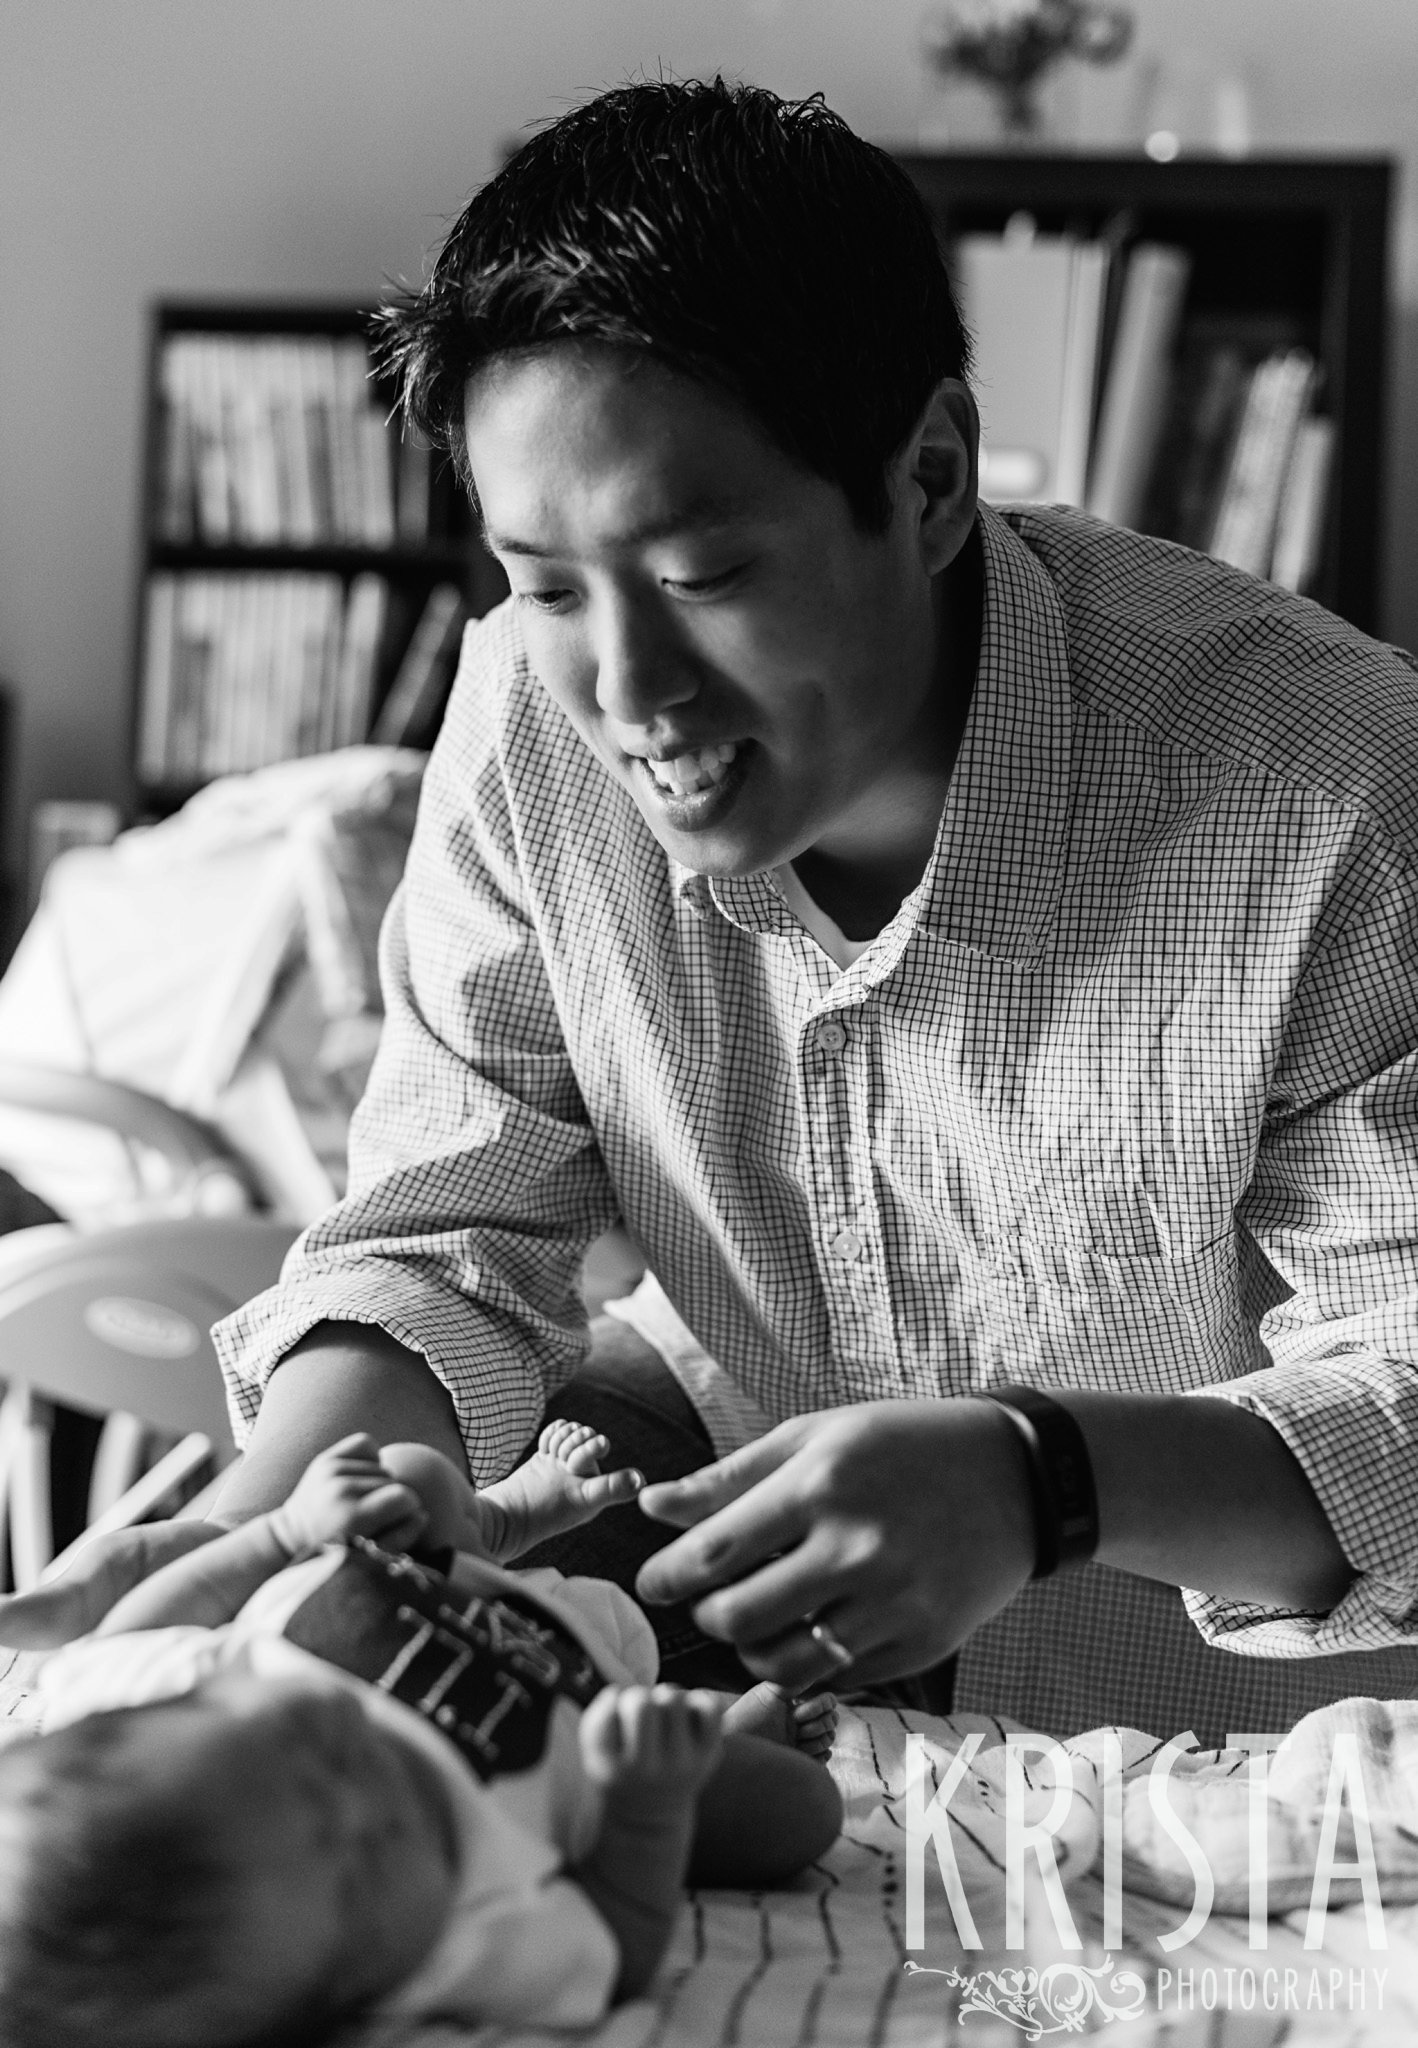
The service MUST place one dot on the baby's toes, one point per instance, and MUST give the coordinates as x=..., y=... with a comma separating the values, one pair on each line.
x=815, y=1725
x=564, y=1439
x=582, y=1450
x=553, y=1436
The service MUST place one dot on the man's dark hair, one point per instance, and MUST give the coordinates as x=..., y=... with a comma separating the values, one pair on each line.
x=753, y=242
x=111, y=1910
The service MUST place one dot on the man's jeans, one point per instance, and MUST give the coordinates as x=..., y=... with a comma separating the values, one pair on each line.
x=626, y=1391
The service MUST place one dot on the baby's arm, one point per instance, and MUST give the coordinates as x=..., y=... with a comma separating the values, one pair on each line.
x=344, y=1492
x=650, y=1749
x=396, y=1496
x=682, y=1799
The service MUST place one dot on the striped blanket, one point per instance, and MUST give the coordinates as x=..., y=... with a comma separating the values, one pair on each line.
x=826, y=1964
x=905, y=1935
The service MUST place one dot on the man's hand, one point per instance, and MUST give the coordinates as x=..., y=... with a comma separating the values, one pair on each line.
x=901, y=1525
x=62, y=1609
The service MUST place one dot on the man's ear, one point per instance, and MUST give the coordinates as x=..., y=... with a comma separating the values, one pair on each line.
x=944, y=465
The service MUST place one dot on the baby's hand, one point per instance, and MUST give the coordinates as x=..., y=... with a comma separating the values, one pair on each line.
x=560, y=1487
x=651, y=1747
x=346, y=1492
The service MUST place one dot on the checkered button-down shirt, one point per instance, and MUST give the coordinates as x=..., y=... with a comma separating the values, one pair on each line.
x=1123, y=1096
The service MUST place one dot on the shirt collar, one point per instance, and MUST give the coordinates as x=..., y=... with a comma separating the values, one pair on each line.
x=994, y=876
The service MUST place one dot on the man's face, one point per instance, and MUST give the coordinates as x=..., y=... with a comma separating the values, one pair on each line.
x=753, y=667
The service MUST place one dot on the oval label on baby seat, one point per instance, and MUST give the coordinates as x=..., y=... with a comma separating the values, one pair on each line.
x=144, y=1328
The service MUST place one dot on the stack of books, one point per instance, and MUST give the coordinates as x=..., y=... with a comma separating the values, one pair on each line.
x=1097, y=390
x=279, y=439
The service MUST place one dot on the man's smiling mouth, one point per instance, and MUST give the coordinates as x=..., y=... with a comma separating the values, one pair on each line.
x=689, y=774
x=695, y=789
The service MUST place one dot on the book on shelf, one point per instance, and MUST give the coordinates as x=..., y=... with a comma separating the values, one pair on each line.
x=1190, y=473
x=1138, y=386
x=413, y=497
x=1277, y=395
x=1299, y=531
x=1083, y=344
x=409, y=713
x=352, y=700
x=175, y=513
x=1034, y=304
x=271, y=439
x=155, y=699
x=202, y=388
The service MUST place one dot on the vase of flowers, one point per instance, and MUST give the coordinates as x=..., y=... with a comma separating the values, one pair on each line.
x=1011, y=46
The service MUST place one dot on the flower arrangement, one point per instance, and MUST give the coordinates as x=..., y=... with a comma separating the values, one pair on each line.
x=1009, y=45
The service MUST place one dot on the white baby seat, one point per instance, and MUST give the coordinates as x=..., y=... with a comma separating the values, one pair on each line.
x=184, y=1030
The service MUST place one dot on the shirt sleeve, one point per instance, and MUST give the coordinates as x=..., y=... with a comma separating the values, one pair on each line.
x=476, y=1184
x=1333, y=1208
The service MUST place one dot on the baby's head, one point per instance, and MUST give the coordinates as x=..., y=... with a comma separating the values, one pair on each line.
x=249, y=1864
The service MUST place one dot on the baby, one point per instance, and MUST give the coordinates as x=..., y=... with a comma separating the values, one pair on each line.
x=299, y=1777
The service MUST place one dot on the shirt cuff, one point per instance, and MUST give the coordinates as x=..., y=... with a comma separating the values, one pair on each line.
x=1351, y=1423
x=467, y=1347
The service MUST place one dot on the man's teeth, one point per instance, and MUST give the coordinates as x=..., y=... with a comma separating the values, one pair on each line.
x=688, y=774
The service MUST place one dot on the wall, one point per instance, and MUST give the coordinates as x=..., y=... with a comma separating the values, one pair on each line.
x=313, y=147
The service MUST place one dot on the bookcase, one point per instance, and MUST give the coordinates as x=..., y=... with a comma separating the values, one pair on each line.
x=1293, y=248
x=305, y=570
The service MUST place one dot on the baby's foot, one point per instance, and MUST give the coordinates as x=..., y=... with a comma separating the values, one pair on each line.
x=765, y=1710
x=560, y=1487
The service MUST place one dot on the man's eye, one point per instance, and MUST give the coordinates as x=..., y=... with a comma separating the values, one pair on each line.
x=543, y=600
x=705, y=586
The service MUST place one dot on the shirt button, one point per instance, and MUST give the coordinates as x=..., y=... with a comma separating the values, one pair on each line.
x=831, y=1036
x=846, y=1245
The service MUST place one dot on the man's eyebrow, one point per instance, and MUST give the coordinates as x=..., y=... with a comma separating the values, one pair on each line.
x=704, y=516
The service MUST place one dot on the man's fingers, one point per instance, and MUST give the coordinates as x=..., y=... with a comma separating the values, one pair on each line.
x=770, y=1615
x=776, y=1597
x=684, y=1502
x=760, y=1521
x=796, y=1659
x=611, y=1489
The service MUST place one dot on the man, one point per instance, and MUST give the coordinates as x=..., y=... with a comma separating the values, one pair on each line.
x=963, y=948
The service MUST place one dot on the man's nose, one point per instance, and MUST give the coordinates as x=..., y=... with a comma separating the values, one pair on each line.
x=642, y=667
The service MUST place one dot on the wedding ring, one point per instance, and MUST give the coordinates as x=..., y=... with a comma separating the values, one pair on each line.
x=837, y=1650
